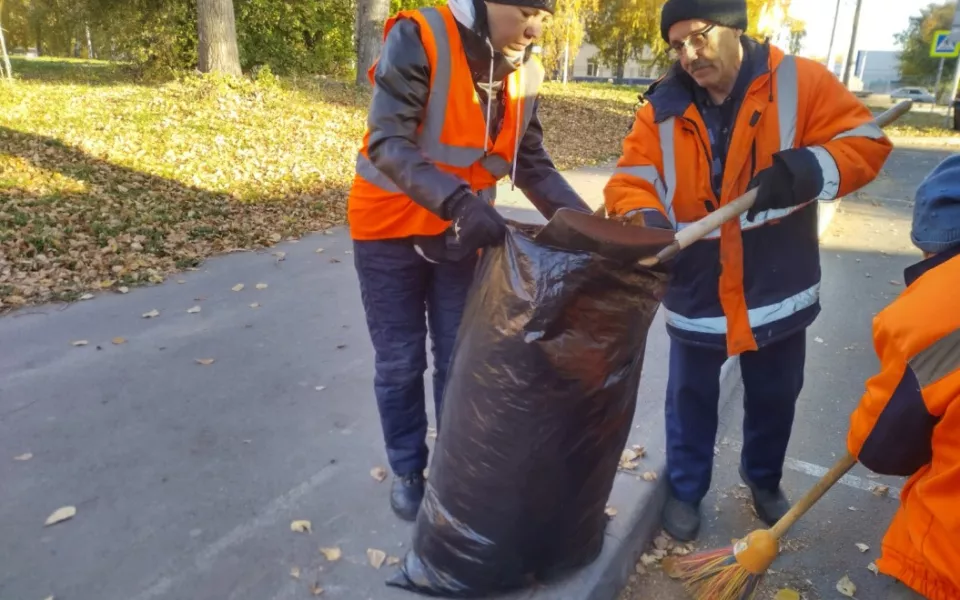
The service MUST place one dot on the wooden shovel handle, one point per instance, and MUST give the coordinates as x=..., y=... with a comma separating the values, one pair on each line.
x=815, y=493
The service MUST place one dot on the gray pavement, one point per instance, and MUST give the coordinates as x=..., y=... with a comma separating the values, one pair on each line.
x=863, y=255
x=186, y=477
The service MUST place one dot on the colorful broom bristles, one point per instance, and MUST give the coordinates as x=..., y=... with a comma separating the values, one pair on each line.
x=713, y=575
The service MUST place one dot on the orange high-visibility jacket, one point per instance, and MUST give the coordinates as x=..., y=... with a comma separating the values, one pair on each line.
x=452, y=134
x=749, y=283
x=908, y=424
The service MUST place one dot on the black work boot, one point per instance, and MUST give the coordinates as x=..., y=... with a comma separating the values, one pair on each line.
x=406, y=494
x=681, y=519
x=770, y=505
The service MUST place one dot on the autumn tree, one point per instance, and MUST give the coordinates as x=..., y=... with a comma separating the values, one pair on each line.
x=217, y=37
x=916, y=65
x=622, y=29
x=798, y=31
x=564, y=35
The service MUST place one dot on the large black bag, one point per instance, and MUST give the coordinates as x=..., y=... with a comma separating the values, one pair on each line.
x=538, y=406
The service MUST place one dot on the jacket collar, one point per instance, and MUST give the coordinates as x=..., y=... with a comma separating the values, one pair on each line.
x=915, y=271
x=673, y=93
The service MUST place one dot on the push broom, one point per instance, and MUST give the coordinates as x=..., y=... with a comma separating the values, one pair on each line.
x=735, y=572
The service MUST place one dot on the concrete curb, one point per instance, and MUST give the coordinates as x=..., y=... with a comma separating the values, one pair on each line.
x=924, y=142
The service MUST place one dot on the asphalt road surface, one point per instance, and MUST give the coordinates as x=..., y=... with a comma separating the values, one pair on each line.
x=863, y=253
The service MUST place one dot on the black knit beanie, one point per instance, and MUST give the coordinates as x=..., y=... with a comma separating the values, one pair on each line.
x=548, y=5
x=728, y=13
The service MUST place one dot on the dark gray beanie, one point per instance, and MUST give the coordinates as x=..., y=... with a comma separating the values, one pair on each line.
x=729, y=13
x=547, y=5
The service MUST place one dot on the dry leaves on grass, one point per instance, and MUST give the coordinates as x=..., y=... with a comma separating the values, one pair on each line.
x=60, y=515
x=301, y=527
x=175, y=173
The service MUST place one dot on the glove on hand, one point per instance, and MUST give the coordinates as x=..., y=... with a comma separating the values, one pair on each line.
x=476, y=223
x=794, y=178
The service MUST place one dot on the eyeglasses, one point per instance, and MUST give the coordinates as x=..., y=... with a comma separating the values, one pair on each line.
x=695, y=41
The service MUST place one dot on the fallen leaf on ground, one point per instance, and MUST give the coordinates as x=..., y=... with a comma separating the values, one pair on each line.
x=872, y=567
x=301, y=527
x=262, y=286
x=640, y=450
x=237, y=287
x=150, y=315
x=255, y=305
x=86, y=297
x=295, y=572
x=331, y=554
x=881, y=490
x=79, y=343
x=648, y=560
x=818, y=340
x=376, y=557
x=894, y=282
x=787, y=594
x=123, y=289
x=862, y=547
x=117, y=341
x=378, y=473
x=846, y=587
x=315, y=589
x=334, y=260
x=649, y=476
x=319, y=251
x=628, y=455
x=61, y=514
x=661, y=542
x=320, y=388
x=610, y=512
x=206, y=361
x=392, y=560
x=194, y=310
x=281, y=256
x=181, y=281
x=23, y=457
x=852, y=509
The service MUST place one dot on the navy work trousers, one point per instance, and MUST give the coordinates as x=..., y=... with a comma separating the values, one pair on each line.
x=404, y=297
x=772, y=380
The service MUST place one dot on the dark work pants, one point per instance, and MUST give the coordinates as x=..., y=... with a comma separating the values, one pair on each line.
x=772, y=380
x=404, y=296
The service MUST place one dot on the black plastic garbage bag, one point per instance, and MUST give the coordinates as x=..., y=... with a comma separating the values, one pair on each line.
x=538, y=406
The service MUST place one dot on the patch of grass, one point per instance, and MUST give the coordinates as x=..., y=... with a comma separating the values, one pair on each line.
x=107, y=182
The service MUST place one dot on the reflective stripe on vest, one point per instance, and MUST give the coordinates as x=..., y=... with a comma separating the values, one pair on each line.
x=759, y=317
x=665, y=187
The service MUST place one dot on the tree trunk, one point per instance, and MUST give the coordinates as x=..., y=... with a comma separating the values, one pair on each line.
x=371, y=15
x=90, y=53
x=7, y=69
x=217, y=29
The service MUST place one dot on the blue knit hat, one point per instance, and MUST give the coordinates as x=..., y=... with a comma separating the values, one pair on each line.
x=936, y=210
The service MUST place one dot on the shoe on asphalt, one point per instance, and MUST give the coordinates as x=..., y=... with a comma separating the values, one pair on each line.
x=406, y=494
x=681, y=519
x=770, y=505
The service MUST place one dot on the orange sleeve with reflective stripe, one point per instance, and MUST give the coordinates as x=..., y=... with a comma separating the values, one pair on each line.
x=840, y=123
x=634, y=182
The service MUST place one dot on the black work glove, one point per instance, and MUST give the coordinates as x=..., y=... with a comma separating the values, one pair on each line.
x=795, y=178
x=476, y=223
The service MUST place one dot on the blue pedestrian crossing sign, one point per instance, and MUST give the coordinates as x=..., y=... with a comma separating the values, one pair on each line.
x=943, y=45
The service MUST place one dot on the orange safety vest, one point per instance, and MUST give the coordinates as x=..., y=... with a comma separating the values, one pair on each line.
x=908, y=423
x=452, y=134
x=750, y=282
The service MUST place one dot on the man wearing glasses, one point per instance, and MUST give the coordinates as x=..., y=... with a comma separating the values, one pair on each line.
x=730, y=115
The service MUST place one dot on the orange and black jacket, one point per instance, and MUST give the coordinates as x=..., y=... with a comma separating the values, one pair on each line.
x=908, y=424
x=749, y=283
x=427, y=129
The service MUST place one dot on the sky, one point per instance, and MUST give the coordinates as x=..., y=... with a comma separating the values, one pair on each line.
x=879, y=21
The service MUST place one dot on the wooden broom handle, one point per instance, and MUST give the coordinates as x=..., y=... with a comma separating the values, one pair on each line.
x=815, y=493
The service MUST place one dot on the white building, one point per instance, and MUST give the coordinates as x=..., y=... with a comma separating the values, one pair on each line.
x=586, y=66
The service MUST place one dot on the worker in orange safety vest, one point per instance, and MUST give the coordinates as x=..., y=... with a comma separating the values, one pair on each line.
x=908, y=421
x=454, y=111
x=733, y=114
